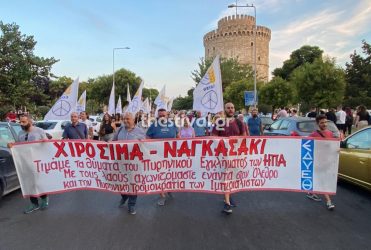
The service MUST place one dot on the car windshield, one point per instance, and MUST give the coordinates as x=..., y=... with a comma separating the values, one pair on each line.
x=46, y=125
x=17, y=128
x=310, y=126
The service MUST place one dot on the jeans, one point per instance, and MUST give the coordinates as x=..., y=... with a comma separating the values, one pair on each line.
x=35, y=200
x=132, y=199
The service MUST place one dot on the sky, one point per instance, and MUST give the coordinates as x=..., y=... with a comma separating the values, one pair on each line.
x=166, y=37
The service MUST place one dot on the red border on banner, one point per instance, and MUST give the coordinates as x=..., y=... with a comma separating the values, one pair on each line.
x=179, y=191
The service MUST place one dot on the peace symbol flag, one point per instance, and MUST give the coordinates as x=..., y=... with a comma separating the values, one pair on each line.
x=208, y=94
x=65, y=105
x=81, y=103
x=161, y=100
x=136, y=103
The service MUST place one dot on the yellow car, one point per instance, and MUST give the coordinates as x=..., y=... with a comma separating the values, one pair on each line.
x=355, y=158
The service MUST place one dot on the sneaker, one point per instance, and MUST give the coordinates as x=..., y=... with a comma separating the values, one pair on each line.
x=232, y=202
x=132, y=210
x=44, y=203
x=31, y=208
x=227, y=209
x=330, y=206
x=313, y=197
x=161, y=201
x=122, y=202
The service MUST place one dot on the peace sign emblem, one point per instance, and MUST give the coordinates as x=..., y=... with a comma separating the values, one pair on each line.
x=210, y=100
x=61, y=108
x=134, y=106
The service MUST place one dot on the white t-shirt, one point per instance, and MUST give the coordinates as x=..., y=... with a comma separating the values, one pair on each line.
x=340, y=117
x=88, y=123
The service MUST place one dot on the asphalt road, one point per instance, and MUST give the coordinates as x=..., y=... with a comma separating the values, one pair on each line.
x=262, y=220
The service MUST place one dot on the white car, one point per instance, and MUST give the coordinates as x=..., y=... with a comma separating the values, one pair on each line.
x=54, y=128
x=96, y=121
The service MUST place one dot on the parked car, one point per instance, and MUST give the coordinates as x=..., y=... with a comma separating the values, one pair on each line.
x=355, y=158
x=8, y=175
x=266, y=120
x=296, y=126
x=96, y=121
x=54, y=128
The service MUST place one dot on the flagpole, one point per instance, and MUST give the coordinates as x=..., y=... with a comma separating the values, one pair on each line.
x=113, y=65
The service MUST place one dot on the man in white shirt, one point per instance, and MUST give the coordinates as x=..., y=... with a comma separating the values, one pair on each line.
x=88, y=123
x=340, y=118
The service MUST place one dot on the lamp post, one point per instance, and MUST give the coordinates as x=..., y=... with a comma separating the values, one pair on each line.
x=250, y=6
x=113, y=62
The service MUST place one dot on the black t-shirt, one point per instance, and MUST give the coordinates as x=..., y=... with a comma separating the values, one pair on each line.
x=363, y=116
x=108, y=129
x=312, y=114
x=331, y=116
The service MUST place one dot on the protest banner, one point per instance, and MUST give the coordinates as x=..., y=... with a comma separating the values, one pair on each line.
x=209, y=164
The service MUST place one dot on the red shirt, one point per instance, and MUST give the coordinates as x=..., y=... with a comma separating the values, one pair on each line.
x=231, y=130
x=326, y=134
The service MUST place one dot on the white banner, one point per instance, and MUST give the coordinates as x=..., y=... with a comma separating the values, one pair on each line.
x=65, y=105
x=208, y=164
x=208, y=94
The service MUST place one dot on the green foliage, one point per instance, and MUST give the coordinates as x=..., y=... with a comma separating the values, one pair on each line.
x=24, y=77
x=306, y=54
x=183, y=103
x=153, y=93
x=358, y=77
x=264, y=108
x=231, y=70
x=320, y=84
x=235, y=93
x=100, y=88
x=4, y=109
x=277, y=93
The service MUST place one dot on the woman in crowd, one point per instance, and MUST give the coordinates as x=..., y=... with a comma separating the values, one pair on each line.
x=107, y=128
x=187, y=130
x=363, y=117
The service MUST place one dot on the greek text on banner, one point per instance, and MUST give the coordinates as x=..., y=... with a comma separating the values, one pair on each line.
x=209, y=164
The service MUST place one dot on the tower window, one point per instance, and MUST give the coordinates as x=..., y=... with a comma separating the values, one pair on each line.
x=252, y=44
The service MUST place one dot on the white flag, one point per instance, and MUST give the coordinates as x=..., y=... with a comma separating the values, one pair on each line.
x=119, y=106
x=81, y=103
x=208, y=94
x=111, y=103
x=128, y=98
x=136, y=103
x=65, y=105
x=170, y=104
x=161, y=100
x=146, y=107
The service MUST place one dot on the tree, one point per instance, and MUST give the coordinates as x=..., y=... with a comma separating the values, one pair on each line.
x=306, y=54
x=184, y=103
x=358, y=78
x=231, y=70
x=320, y=84
x=153, y=93
x=277, y=93
x=235, y=92
x=100, y=88
x=24, y=77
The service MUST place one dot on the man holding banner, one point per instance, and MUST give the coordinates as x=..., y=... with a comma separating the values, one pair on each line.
x=231, y=127
x=324, y=133
x=161, y=129
x=32, y=133
x=128, y=132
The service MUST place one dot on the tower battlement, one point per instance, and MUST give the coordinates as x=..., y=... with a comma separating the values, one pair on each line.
x=234, y=38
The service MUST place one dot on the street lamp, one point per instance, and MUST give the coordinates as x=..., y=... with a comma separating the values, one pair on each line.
x=113, y=61
x=250, y=6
